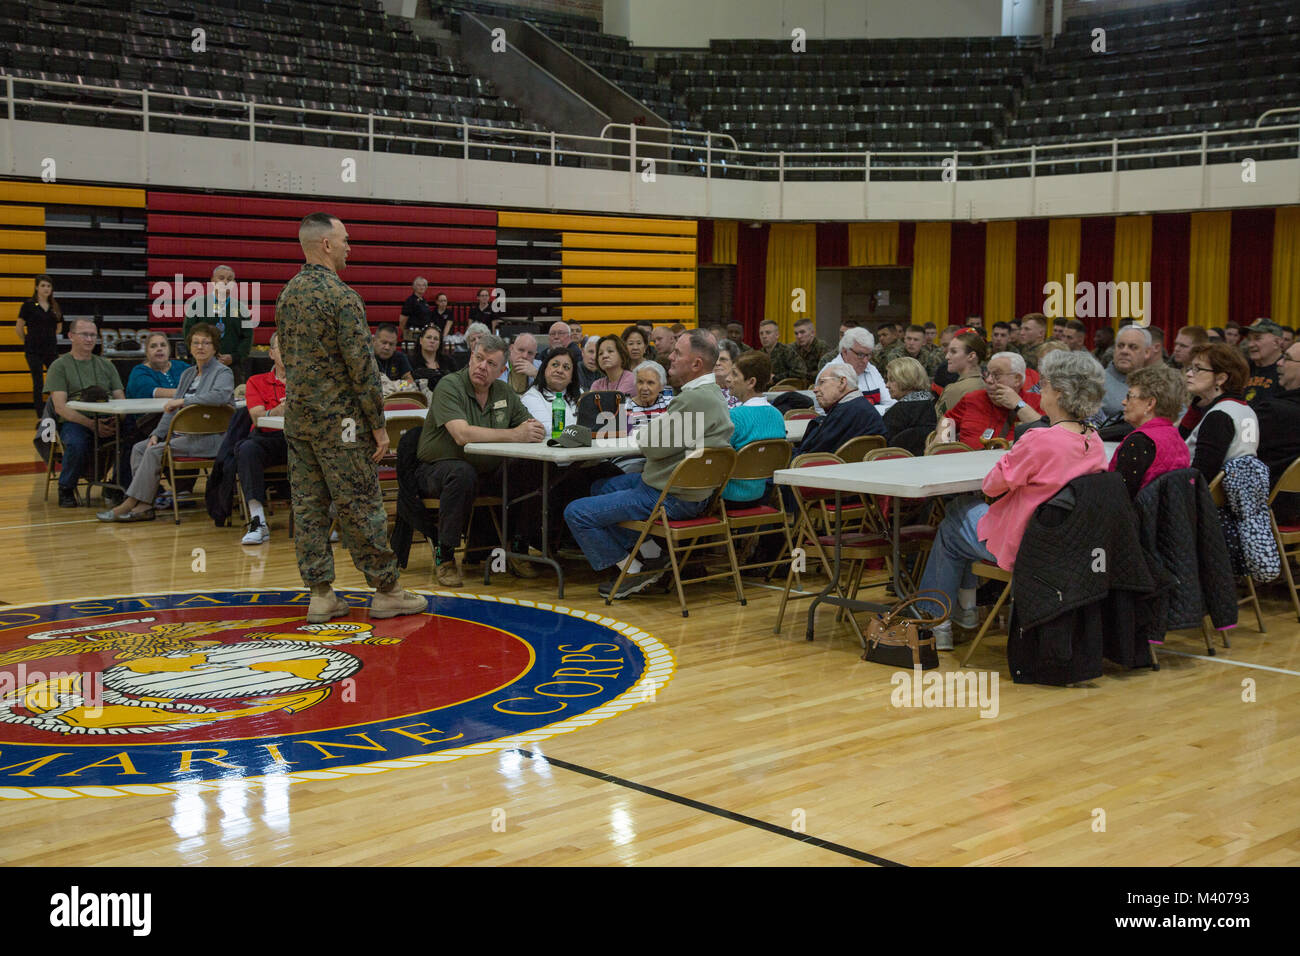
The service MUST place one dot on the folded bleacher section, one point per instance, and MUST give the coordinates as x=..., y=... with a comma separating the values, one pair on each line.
x=345, y=55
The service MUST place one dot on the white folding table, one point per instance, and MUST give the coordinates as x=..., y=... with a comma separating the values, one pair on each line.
x=922, y=477
x=600, y=448
x=276, y=422
x=118, y=408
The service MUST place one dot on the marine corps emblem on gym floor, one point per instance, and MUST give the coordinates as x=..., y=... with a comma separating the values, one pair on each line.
x=159, y=693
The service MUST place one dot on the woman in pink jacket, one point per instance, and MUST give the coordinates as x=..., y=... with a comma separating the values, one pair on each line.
x=1040, y=464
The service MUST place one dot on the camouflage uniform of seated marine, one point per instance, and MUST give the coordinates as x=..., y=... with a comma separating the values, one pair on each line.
x=332, y=405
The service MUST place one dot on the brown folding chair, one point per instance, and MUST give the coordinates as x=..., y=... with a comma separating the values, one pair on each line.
x=193, y=420
x=1251, y=598
x=405, y=400
x=990, y=572
x=757, y=461
x=789, y=384
x=855, y=449
x=1287, y=535
x=948, y=448
x=799, y=414
x=706, y=469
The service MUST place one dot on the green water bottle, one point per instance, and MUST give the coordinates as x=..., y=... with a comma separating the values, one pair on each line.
x=557, y=416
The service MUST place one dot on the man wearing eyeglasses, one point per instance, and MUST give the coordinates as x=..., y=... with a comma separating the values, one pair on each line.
x=855, y=351
x=1279, y=428
x=995, y=410
x=68, y=378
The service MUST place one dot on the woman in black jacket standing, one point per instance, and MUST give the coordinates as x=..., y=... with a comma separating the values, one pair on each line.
x=39, y=321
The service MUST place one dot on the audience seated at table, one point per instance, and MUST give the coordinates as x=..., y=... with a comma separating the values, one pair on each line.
x=392, y=363
x=554, y=377
x=1155, y=397
x=848, y=414
x=159, y=374
x=912, y=416
x=1038, y=466
x=594, y=521
x=69, y=378
x=208, y=382
x=427, y=366
x=265, y=447
x=728, y=352
x=1219, y=426
x=1279, y=429
x=616, y=366
x=475, y=405
x=754, y=419
x=965, y=356
x=994, y=411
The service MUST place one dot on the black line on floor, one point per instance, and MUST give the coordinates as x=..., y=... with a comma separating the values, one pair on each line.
x=716, y=811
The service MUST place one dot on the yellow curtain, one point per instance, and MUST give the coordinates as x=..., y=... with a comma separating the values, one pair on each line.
x=931, y=264
x=1286, y=266
x=724, y=242
x=873, y=244
x=1063, y=255
x=1207, y=276
x=999, y=272
x=1132, y=254
x=791, y=275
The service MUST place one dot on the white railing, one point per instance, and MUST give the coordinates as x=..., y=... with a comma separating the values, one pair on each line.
x=672, y=151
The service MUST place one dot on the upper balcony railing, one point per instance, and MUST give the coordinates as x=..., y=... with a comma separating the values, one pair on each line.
x=640, y=151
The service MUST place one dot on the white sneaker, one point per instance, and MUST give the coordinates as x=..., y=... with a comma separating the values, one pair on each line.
x=943, y=636
x=967, y=617
x=258, y=532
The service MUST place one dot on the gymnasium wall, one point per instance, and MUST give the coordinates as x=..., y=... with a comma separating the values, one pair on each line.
x=686, y=23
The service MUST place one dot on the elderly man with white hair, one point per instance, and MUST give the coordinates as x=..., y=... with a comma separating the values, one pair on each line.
x=521, y=362
x=1132, y=348
x=848, y=413
x=856, y=348
x=995, y=410
x=221, y=308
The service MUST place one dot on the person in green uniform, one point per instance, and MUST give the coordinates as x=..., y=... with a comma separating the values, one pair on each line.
x=475, y=405
x=810, y=349
x=220, y=308
x=334, y=427
x=785, y=361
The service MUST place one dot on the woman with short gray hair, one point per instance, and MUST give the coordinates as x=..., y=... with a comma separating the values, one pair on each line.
x=1156, y=397
x=1040, y=464
x=1079, y=380
x=728, y=352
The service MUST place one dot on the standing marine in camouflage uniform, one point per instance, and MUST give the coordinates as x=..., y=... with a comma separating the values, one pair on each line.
x=810, y=349
x=785, y=361
x=334, y=427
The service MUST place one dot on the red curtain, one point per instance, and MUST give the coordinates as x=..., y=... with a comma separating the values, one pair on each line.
x=751, y=277
x=1096, y=259
x=1031, y=265
x=906, y=242
x=832, y=244
x=1250, y=266
x=704, y=242
x=1171, y=253
x=966, y=273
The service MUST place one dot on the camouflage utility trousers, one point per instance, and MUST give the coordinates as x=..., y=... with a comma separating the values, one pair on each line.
x=325, y=473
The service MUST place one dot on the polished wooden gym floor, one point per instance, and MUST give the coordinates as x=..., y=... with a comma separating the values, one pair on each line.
x=763, y=749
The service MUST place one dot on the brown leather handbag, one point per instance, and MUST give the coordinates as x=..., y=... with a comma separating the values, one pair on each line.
x=897, y=639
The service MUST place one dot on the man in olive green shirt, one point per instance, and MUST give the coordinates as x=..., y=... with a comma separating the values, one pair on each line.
x=69, y=375
x=474, y=405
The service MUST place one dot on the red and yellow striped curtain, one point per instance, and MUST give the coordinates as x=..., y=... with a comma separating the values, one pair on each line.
x=1286, y=266
x=1063, y=243
x=931, y=266
x=1207, y=268
x=873, y=244
x=999, y=272
x=791, y=275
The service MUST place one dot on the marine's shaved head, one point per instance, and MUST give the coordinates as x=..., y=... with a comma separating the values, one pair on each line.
x=315, y=227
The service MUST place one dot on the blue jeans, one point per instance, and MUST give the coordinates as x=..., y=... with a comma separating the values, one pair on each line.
x=956, y=545
x=594, y=521
x=78, y=449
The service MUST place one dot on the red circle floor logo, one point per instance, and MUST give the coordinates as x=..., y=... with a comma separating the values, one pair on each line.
x=158, y=693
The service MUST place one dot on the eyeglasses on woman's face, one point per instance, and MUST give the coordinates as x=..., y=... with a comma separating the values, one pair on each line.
x=1197, y=369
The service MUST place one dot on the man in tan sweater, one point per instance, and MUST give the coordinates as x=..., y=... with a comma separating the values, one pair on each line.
x=696, y=418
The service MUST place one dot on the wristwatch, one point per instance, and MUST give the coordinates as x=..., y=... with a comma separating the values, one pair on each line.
x=1019, y=405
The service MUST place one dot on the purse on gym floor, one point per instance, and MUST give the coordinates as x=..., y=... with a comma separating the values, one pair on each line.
x=897, y=639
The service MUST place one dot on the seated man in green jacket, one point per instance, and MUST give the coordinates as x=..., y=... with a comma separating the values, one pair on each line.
x=696, y=418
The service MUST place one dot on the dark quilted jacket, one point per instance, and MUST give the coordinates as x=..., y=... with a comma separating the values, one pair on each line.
x=1246, y=525
x=1075, y=604
x=1180, y=532
x=220, y=494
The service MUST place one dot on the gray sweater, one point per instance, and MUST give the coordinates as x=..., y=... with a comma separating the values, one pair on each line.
x=695, y=418
x=216, y=387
